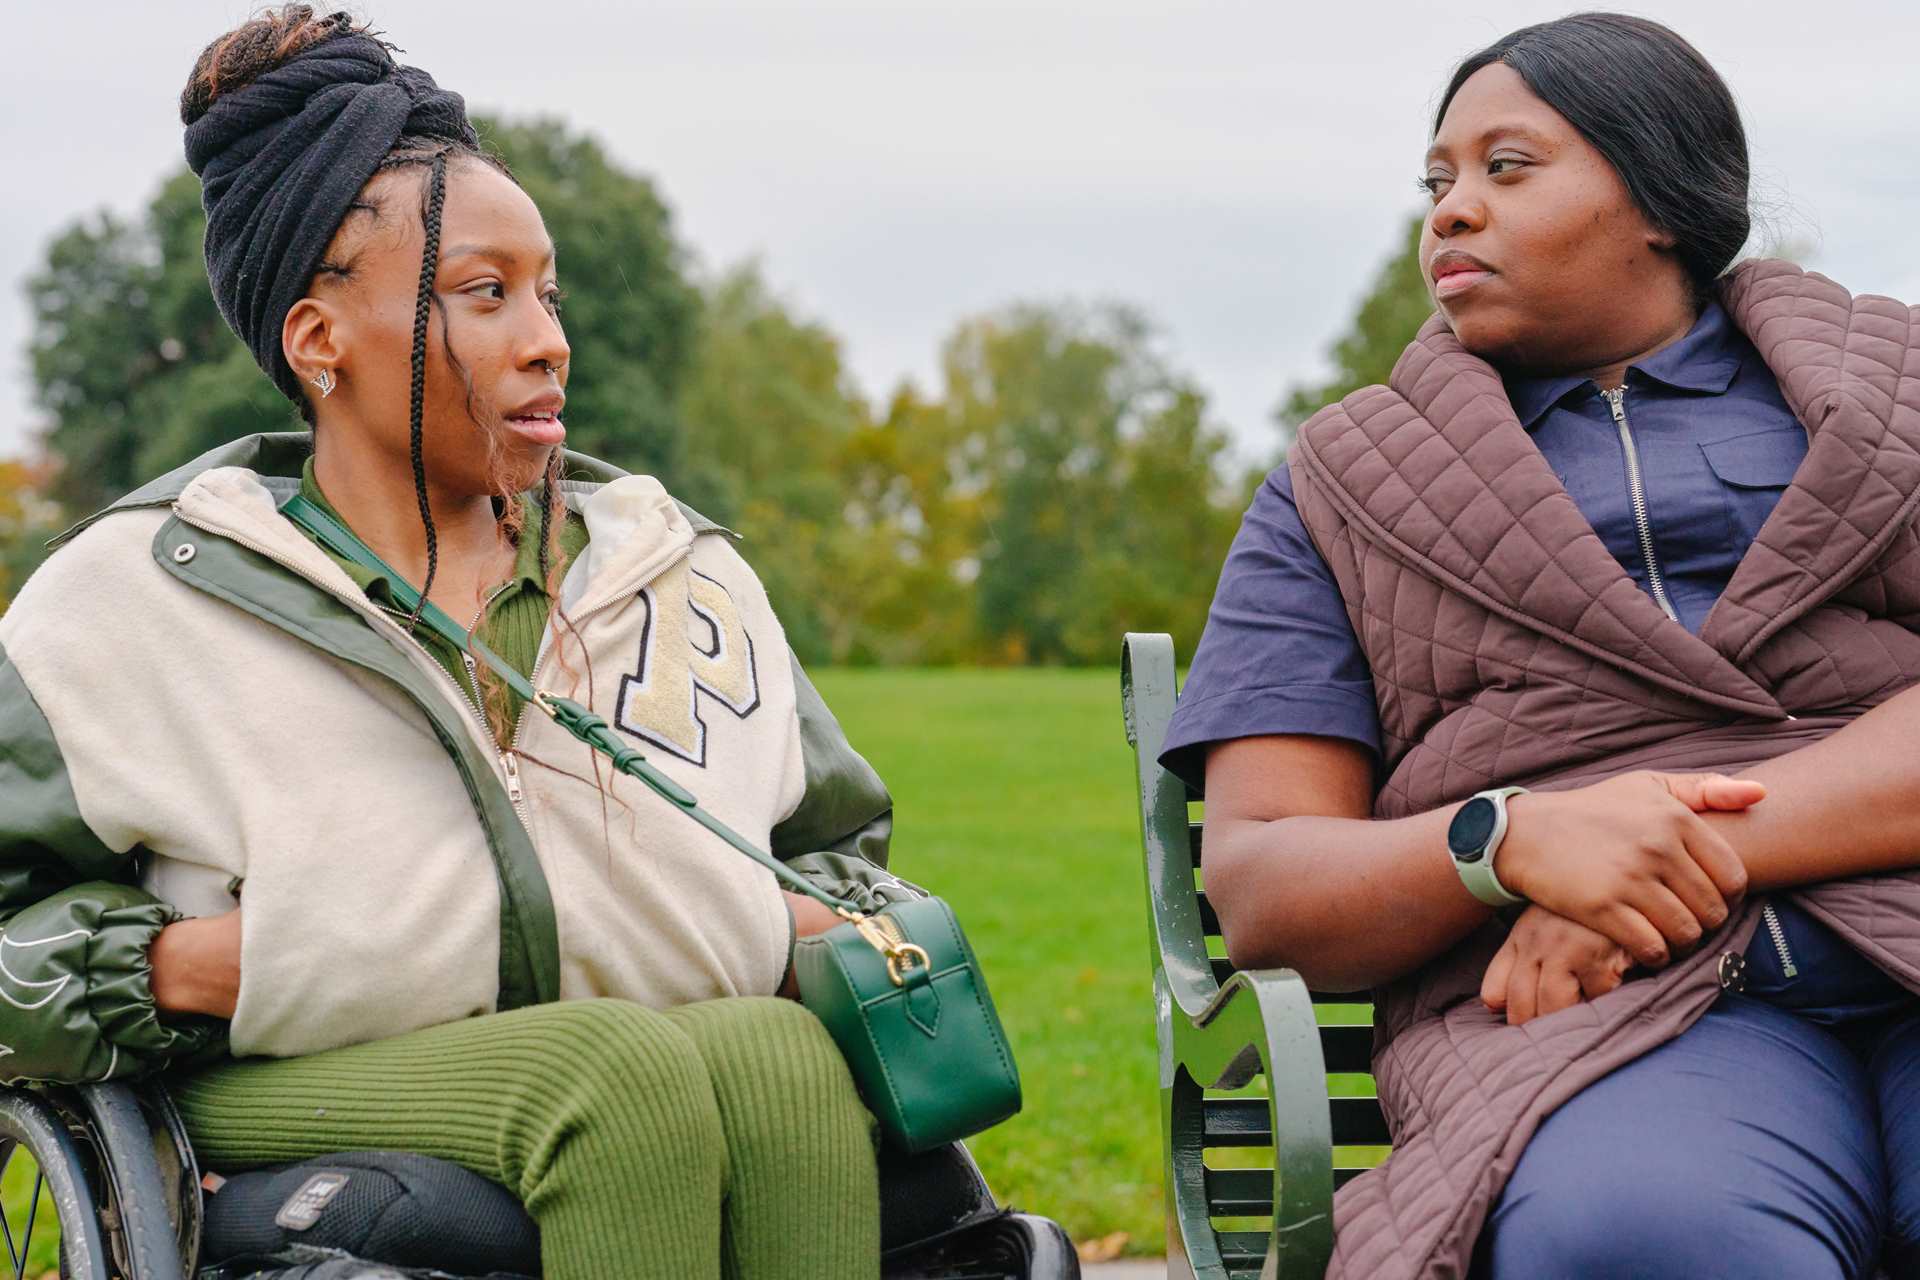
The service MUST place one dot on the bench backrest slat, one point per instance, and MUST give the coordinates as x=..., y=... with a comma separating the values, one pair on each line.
x=1237, y=1122
x=1347, y=1048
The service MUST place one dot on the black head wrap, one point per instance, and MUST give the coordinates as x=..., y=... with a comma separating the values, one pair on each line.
x=280, y=160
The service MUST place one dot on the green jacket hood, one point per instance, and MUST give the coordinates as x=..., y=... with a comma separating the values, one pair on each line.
x=277, y=456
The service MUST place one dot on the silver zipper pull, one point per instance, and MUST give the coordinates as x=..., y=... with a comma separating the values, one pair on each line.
x=513, y=776
x=1636, y=491
x=1779, y=931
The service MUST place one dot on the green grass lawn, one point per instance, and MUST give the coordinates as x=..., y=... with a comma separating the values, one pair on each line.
x=1014, y=800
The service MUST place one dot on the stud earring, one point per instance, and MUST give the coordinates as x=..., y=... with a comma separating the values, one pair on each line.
x=324, y=380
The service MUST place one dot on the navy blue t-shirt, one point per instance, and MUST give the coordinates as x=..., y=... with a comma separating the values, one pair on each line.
x=1717, y=446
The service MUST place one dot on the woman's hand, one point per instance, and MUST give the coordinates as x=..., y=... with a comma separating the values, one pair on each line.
x=196, y=965
x=1549, y=963
x=809, y=918
x=1630, y=858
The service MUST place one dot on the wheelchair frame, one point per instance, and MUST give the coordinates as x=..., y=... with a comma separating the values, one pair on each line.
x=107, y=1153
x=125, y=1188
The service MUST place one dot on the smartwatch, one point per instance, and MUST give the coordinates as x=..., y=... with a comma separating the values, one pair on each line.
x=1474, y=836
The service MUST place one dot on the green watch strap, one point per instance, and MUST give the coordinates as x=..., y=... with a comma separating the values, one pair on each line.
x=1477, y=873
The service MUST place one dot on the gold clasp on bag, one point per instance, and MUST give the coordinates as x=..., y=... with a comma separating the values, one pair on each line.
x=907, y=951
x=884, y=936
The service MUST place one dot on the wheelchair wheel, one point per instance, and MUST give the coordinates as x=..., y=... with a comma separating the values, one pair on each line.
x=1006, y=1246
x=149, y=1195
x=52, y=1213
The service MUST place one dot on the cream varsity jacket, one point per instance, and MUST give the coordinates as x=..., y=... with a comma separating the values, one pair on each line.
x=208, y=711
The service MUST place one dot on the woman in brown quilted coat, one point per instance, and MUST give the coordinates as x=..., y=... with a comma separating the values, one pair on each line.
x=1563, y=690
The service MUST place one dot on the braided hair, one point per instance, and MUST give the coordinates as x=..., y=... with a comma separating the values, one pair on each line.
x=282, y=164
x=417, y=394
x=434, y=155
x=259, y=48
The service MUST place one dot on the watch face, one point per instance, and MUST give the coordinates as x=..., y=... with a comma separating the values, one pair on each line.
x=1471, y=828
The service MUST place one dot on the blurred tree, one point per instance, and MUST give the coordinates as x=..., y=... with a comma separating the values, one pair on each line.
x=1155, y=566
x=1100, y=504
x=27, y=519
x=129, y=356
x=769, y=415
x=906, y=553
x=1062, y=485
x=1395, y=307
x=138, y=373
x=1046, y=397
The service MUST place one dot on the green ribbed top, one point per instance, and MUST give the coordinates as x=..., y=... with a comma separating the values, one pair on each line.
x=516, y=612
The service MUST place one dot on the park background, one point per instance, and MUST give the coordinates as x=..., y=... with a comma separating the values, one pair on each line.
x=980, y=321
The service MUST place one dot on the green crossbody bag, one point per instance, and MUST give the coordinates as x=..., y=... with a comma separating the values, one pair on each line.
x=899, y=990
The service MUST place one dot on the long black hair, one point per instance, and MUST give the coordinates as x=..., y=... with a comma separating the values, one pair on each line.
x=1658, y=112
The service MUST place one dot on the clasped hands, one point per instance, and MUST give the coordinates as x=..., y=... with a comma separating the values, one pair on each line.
x=1622, y=873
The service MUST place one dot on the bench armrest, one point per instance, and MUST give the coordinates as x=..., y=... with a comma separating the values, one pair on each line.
x=1178, y=937
x=1262, y=1021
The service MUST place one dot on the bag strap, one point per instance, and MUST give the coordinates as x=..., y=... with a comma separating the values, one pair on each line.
x=568, y=714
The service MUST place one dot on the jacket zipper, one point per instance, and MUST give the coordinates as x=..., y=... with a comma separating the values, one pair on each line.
x=509, y=758
x=1657, y=585
x=512, y=770
x=509, y=763
x=472, y=700
x=1779, y=934
x=1617, y=401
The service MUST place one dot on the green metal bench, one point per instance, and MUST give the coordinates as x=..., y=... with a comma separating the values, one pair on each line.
x=1221, y=1032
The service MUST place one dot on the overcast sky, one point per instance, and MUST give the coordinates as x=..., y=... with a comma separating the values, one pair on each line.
x=1237, y=169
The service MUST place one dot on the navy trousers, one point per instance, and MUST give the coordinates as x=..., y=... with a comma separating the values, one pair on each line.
x=1779, y=1136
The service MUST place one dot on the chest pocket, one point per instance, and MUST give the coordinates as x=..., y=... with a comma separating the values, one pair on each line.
x=1754, y=470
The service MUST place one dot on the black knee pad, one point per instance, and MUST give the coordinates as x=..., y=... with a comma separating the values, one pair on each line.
x=332, y=1269
x=325, y=1217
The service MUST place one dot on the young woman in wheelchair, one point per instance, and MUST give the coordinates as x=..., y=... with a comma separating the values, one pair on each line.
x=261, y=828
x=1563, y=689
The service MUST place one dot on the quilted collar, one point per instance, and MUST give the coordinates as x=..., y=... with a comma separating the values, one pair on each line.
x=1850, y=371
x=1437, y=468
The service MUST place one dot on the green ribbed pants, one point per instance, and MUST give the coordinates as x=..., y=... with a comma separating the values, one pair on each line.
x=716, y=1139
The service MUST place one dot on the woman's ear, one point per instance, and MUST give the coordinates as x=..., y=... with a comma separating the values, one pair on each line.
x=1665, y=241
x=307, y=338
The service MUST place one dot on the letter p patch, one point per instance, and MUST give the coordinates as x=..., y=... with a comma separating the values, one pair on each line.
x=692, y=643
